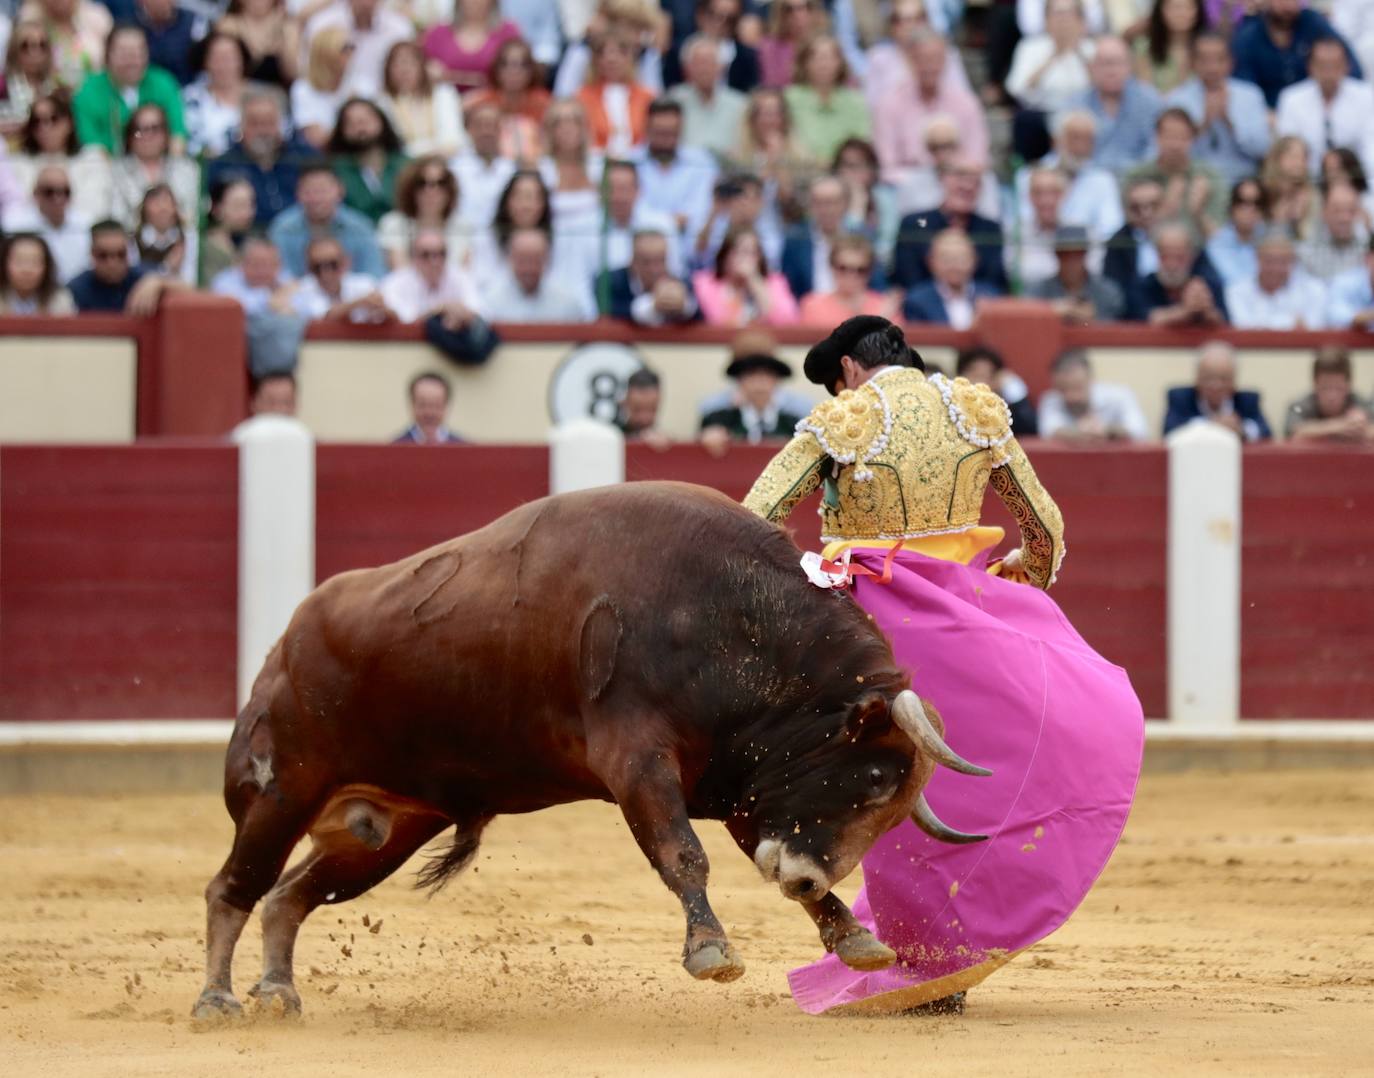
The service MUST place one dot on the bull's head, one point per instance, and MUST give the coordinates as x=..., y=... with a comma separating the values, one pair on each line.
x=838, y=799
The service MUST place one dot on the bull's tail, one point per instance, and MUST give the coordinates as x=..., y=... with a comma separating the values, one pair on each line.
x=447, y=862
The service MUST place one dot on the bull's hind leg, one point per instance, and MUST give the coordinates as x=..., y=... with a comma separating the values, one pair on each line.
x=360, y=839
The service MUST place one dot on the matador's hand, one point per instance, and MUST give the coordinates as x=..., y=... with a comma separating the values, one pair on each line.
x=1009, y=568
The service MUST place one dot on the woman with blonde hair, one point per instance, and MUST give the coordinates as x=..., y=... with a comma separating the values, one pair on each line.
x=768, y=149
x=427, y=115
x=316, y=98
x=640, y=22
x=515, y=86
x=825, y=111
x=1288, y=185
x=617, y=106
x=465, y=48
x=571, y=170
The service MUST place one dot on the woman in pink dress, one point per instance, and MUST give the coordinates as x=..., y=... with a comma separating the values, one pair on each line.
x=851, y=263
x=466, y=47
x=740, y=289
x=790, y=24
x=905, y=461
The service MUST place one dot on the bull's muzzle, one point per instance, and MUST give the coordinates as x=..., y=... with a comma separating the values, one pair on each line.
x=798, y=876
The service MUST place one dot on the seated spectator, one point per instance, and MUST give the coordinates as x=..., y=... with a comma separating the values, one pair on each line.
x=1328, y=108
x=606, y=247
x=986, y=366
x=523, y=204
x=1163, y=53
x=888, y=61
x=515, y=87
x=232, y=210
x=1230, y=115
x=78, y=30
x=1215, y=399
x=739, y=203
x=529, y=292
x=213, y=103
x=571, y=170
x=428, y=115
x=770, y=148
x=1350, y=296
x=429, y=284
x=426, y=199
x=1192, y=192
x=673, y=178
x=319, y=211
x=372, y=28
x=1081, y=409
x=1271, y=50
x=318, y=94
x=1031, y=258
x=66, y=231
x=851, y=269
x=950, y=297
x=1331, y=412
x=1338, y=242
x=617, y=105
x=147, y=162
x=429, y=395
x=921, y=187
x=1049, y=72
x=1092, y=198
x=273, y=394
x=903, y=116
x=272, y=37
x=30, y=73
x=482, y=173
x=271, y=163
x=825, y=111
x=365, y=152
x=29, y=283
x=635, y=22
x=791, y=24
x=111, y=285
x=1341, y=165
x=106, y=100
x=172, y=33
x=805, y=258
x=960, y=184
x=872, y=209
x=1279, y=296
x=720, y=20
x=712, y=113
x=333, y=293
x=1131, y=254
x=740, y=289
x=758, y=414
x=1184, y=290
x=1231, y=249
x=258, y=283
x=645, y=291
x=161, y=237
x=1076, y=295
x=1288, y=188
x=637, y=416
x=1124, y=107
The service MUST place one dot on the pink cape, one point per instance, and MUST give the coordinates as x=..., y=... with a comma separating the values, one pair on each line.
x=1062, y=730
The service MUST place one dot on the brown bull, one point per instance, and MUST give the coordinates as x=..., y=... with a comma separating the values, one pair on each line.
x=653, y=644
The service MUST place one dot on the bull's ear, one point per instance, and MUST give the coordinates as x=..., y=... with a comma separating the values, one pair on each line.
x=870, y=716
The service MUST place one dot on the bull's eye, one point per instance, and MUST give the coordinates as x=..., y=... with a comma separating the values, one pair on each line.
x=877, y=778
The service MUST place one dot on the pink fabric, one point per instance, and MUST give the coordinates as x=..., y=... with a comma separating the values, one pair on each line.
x=468, y=70
x=1062, y=730
x=777, y=62
x=901, y=117
x=721, y=306
x=827, y=309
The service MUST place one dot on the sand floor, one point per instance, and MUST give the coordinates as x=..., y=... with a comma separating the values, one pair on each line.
x=1233, y=933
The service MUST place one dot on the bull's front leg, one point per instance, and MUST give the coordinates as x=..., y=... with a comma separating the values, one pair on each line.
x=649, y=792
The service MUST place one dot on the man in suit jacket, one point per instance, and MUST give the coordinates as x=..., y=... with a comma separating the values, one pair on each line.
x=757, y=414
x=951, y=295
x=430, y=394
x=806, y=246
x=645, y=292
x=960, y=183
x=1215, y=399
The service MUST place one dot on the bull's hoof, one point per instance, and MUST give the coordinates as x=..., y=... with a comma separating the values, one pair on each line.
x=213, y=1007
x=714, y=962
x=274, y=998
x=862, y=950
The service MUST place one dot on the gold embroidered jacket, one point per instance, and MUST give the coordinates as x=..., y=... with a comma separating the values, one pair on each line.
x=912, y=456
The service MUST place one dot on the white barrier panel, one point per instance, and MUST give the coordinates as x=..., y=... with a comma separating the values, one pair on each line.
x=276, y=534
x=1204, y=577
x=584, y=453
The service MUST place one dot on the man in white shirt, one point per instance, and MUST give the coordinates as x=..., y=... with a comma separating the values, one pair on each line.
x=1081, y=409
x=1031, y=259
x=624, y=217
x=332, y=292
x=481, y=171
x=372, y=30
x=527, y=293
x=429, y=284
x=1093, y=197
x=1278, y=296
x=1328, y=108
x=66, y=231
x=711, y=112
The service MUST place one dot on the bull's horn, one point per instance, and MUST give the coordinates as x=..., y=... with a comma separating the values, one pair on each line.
x=923, y=816
x=911, y=716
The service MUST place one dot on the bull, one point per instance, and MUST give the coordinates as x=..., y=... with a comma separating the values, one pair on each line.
x=654, y=644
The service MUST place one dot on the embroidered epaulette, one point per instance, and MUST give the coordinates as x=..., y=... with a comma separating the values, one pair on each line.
x=853, y=428
x=978, y=413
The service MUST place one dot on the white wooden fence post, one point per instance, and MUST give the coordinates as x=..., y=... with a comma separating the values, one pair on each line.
x=584, y=453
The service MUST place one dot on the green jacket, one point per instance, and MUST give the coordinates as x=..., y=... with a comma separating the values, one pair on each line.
x=358, y=195
x=102, y=113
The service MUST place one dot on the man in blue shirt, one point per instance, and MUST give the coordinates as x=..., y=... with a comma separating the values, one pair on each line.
x=1124, y=107
x=319, y=212
x=1271, y=49
x=675, y=179
x=263, y=157
x=1233, y=126
x=112, y=285
x=172, y=31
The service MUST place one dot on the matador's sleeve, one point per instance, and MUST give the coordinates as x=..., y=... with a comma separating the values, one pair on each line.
x=1042, y=526
x=794, y=473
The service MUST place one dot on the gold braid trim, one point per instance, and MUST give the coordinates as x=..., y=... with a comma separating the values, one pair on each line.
x=1036, y=516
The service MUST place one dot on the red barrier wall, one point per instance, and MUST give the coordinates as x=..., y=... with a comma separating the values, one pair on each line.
x=1307, y=589
x=118, y=595
x=375, y=504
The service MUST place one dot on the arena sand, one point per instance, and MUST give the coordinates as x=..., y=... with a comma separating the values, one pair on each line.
x=1233, y=933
